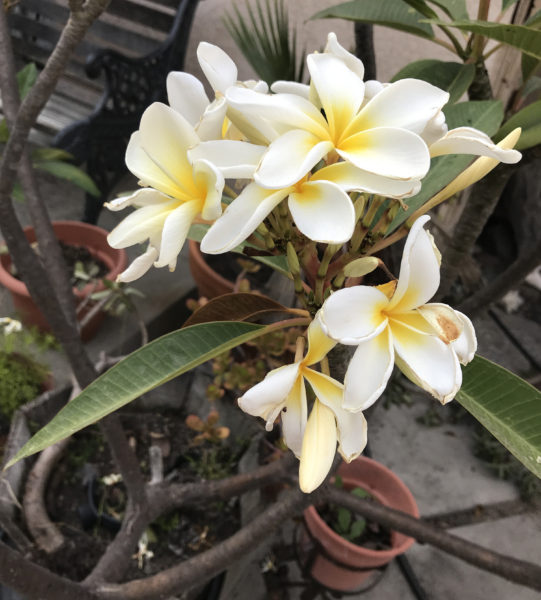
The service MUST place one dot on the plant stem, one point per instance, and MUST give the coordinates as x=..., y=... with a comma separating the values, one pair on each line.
x=321, y=275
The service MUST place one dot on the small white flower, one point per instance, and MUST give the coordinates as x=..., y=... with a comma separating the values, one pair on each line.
x=393, y=323
x=10, y=325
x=313, y=440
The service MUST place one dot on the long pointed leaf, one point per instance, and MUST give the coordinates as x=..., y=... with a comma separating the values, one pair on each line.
x=526, y=39
x=508, y=406
x=146, y=368
x=389, y=13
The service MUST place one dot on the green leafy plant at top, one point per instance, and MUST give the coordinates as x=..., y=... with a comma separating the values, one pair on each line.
x=51, y=160
x=265, y=39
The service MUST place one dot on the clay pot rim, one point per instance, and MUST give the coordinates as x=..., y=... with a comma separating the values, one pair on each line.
x=361, y=551
x=116, y=264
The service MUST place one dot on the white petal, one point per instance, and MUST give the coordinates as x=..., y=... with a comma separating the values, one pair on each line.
x=143, y=197
x=235, y=159
x=318, y=448
x=466, y=140
x=466, y=345
x=387, y=151
x=323, y=212
x=443, y=319
x=289, y=158
x=139, y=266
x=294, y=417
x=340, y=91
x=211, y=124
x=350, y=60
x=187, y=96
x=140, y=224
x=427, y=361
x=291, y=87
x=408, y=104
x=419, y=276
x=267, y=398
x=143, y=167
x=175, y=230
x=166, y=136
x=352, y=315
x=218, y=68
x=435, y=129
x=211, y=185
x=351, y=426
x=287, y=109
x=241, y=218
x=368, y=372
x=350, y=178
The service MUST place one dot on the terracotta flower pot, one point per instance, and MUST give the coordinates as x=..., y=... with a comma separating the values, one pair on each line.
x=77, y=234
x=209, y=283
x=336, y=554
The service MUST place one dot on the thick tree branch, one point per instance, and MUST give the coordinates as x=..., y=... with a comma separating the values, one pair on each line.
x=164, y=497
x=518, y=571
x=202, y=567
x=35, y=582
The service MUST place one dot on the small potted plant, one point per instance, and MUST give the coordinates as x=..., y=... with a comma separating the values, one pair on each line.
x=336, y=560
x=85, y=250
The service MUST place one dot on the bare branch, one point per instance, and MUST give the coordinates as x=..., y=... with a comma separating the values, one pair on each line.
x=518, y=571
x=202, y=567
x=35, y=582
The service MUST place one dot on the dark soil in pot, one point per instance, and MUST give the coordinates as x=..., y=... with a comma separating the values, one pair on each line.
x=171, y=538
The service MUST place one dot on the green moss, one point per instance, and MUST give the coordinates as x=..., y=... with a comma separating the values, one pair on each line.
x=21, y=380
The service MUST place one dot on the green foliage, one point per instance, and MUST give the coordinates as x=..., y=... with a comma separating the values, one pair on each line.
x=395, y=14
x=529, y=119
x=69, y=172
x=526, y=39
x=158, y=362
x=343, y=521
x=453, y=77
x=266, y=42
x=21, y=380
x=507, y=406
x=455, y=9
x=505, y=466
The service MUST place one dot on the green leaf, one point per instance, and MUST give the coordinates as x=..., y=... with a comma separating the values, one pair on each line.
x=360, y=492
x=357, y=529
x=389, y=13
x=529, y=119
x=64, y=170
x=485, y=115
x=39, y=154
x=533, y=84
x=158, y=362
x=344, y=518
x=526, y=39
x=4, y=131
x=507, y=3
x=278, y=263
x=26, y=78
x=450, y=76
x=508, y=406
x=456, y=9
x=529, y=66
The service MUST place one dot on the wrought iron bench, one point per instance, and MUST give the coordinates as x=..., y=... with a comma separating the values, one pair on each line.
x=117, y=71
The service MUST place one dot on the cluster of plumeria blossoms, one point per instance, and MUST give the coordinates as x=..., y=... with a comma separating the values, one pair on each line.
x=336, y=149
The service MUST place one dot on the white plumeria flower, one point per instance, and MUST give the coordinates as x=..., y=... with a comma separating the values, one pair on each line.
x=462, y=140
x=178, y=191
x=312, y=440
x=394, y=324
x=319, y=205
x=380, y=138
